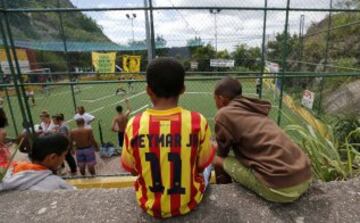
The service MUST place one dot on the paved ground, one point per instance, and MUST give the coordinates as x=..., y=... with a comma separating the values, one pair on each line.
x=331, y=202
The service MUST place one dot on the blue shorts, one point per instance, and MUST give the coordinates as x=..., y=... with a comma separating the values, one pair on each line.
x=86, y=157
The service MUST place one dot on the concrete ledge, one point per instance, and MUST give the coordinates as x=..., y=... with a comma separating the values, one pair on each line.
x=330, y=202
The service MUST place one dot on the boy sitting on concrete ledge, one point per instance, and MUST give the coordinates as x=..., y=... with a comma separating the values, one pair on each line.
x=167, y=147
x=262, y=157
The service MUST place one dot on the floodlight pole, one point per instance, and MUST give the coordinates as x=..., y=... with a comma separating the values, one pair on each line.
x=131, y=17
x=215, y=12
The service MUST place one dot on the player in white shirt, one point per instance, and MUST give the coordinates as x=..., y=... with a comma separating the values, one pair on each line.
x=46, y=124
x=88, y=118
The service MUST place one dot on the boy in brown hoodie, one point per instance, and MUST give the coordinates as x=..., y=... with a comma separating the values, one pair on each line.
x=263, y=158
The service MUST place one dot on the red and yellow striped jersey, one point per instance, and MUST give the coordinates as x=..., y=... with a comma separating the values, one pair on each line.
x=168, y=150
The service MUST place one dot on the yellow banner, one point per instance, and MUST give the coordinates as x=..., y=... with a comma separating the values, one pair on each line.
x=22, y=60
x=20, y=53
x=103, y=62
x=131, y=64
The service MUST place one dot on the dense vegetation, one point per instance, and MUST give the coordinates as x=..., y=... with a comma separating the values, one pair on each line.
x=45, y=26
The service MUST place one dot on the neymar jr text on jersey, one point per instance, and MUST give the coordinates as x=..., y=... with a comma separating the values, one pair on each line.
x=163, y=140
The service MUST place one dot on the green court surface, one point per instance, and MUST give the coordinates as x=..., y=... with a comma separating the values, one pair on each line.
x=100, y=100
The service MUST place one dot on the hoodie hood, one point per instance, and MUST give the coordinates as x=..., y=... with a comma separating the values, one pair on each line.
x=23, y=178
x=252, y=105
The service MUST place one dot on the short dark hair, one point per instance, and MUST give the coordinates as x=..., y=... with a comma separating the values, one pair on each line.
x=61, y=116
x=228, y=87
x=45, y=114
x=119, y=108
x=3, y=118
x=80, y=121
x=165, y=77
x=58, y=117
x=43, y=146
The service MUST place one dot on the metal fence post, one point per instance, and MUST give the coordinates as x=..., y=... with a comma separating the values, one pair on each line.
x=263, y=51
x=326, y=58
x=11, y=111
x=18, y=77
x=301, y=39
x=12, y=71
x=152, y=31
x=147, y=31
x=62, y=34
x=284, y=62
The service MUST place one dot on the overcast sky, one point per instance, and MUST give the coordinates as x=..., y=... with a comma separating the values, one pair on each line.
x=177, y=26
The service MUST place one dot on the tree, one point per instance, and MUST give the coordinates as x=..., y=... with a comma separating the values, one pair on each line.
x=348, y=4
x=137, y=45
x=224, y=54
x=246, y=56
x=203, y=55
x=276, y=47
x=160, y=42
x=195, y=42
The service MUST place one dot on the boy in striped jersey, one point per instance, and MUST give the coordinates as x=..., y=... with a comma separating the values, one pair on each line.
x=167, y=147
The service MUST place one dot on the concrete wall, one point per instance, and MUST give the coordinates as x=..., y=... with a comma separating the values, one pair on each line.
x=330, y=202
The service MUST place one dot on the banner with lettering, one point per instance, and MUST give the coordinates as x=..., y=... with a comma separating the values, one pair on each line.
x=103, y=62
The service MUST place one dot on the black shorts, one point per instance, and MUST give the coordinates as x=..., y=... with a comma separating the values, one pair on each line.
x=121, y=139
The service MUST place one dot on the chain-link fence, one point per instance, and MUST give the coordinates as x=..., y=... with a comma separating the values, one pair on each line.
x=280, y=50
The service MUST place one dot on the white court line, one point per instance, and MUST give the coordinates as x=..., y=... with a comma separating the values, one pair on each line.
x=109, y=96
x=137, y=110
x=135, y=95
x=197, y=92
x=98, y=99
x=61, y=93
x=207, y=92
x=91, y=112
x=101, y=108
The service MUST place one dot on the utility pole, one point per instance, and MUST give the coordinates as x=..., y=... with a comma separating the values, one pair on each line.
x=215, y=12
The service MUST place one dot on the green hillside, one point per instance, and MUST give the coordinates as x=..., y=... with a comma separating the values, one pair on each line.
x=344, y=47
x=45, y=26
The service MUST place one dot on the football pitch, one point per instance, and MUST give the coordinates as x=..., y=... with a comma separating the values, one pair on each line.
x=100, y=100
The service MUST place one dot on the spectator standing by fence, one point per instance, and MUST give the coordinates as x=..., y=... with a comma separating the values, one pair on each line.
x=82, y=114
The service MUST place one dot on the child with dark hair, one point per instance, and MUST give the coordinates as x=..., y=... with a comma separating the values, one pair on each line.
x=48, y=152
x=253, y=150
x=63, y=128
x=85, y=145
x=167, y=147
x=119, y=122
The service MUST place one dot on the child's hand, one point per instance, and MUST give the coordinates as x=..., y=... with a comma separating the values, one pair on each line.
x=214, y=144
